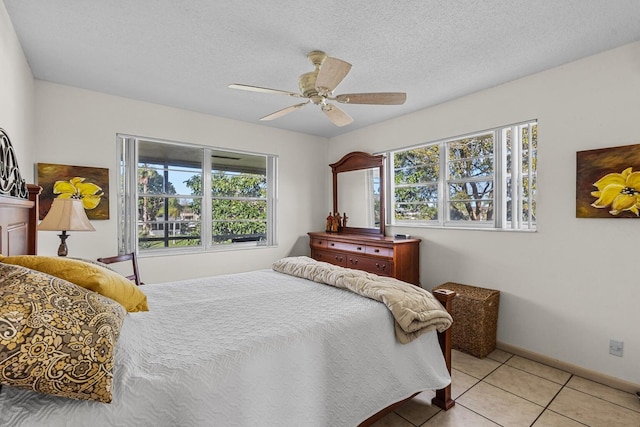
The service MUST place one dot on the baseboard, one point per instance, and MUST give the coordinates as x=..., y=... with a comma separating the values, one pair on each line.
x=574, y=369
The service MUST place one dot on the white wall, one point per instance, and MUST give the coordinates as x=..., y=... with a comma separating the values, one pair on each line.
x=79, y=127
x=574, y=284
x=16, y=95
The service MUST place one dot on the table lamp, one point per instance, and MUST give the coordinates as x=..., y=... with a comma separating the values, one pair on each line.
x=65, y=215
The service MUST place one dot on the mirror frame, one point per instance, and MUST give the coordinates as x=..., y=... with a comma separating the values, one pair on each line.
x=358, y=160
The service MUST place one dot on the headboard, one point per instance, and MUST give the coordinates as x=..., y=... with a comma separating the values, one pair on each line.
x=18, y=205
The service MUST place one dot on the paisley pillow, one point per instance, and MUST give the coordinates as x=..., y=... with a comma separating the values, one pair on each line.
x=56, y=337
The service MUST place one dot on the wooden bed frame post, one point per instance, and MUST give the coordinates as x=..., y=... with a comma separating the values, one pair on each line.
x=34, y=192
x=443, y=396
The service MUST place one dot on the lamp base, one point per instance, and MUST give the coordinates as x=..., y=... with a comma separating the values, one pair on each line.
x=62, y=249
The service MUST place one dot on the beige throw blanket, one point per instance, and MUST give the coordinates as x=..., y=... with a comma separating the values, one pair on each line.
x=414, y=309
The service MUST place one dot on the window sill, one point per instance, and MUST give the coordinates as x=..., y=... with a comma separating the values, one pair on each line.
x=192, y=251
x=452, y=227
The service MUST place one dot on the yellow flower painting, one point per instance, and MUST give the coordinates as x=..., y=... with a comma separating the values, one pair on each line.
x=618, y=191
x=89, y=184
x=76, y=188
x=608, y=183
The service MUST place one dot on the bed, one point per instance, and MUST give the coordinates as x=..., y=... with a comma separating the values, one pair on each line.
x=258, y=348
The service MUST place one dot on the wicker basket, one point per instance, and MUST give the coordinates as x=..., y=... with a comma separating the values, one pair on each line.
x=475, y=318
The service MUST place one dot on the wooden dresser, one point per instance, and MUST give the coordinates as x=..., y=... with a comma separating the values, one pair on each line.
x=386, y=256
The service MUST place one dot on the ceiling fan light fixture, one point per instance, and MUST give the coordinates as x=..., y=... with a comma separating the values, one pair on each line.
x=318, y=87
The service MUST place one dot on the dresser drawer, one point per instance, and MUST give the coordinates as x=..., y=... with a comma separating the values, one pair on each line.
x=335, y=258
x=372, y=265
x=318, y=243
x=379, y=251
x=348, y=247
x=386, y=256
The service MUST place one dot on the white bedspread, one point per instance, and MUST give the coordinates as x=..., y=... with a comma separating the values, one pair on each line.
x=250, y=349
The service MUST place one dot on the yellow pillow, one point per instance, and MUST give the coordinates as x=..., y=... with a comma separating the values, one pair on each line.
x=93, y=277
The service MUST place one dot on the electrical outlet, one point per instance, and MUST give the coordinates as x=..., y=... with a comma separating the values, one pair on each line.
x=616, y=347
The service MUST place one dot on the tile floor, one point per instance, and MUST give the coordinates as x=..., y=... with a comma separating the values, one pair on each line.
x=508, y=390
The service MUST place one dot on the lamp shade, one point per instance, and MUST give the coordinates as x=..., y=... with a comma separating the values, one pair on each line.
x=66, y=215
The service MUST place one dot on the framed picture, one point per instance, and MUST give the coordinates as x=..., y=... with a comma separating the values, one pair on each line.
x=608, y=182
x=89, y=184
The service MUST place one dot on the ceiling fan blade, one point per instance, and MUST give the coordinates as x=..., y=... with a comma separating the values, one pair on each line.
x=336, y=115
x=331, y=73
x=376, y=98
x=284, y=111
x=264, y=90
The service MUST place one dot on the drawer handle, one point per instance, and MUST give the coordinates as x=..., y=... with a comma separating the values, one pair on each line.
x=332, y=244
x=319, y=242
x=359, y=248
x=353, y=261
x=376, y=250
x=381, y=267
x=338, y=258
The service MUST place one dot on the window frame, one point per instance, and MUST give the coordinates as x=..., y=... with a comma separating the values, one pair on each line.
x=128, y=195
x=499, y=178
x=448, y=180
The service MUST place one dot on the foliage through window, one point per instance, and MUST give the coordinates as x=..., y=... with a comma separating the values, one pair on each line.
x=163, y=205
x=486, y=179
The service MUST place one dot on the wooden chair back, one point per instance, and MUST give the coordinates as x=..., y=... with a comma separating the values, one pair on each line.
x=135, y=277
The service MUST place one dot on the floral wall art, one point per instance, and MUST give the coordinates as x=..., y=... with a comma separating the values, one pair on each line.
x=608, y=182
x=89, y=184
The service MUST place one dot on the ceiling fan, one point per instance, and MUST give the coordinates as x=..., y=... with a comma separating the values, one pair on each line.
x=318, y=87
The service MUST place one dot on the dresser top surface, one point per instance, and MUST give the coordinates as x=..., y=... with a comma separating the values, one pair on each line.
x=354, y=237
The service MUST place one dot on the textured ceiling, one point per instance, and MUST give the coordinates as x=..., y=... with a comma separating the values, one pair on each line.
x=185, y=53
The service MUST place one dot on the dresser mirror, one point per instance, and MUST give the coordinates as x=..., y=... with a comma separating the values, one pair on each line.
x=358, y=192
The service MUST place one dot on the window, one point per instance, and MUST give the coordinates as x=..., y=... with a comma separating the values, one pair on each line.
x=163, y=206
x=485, y=180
